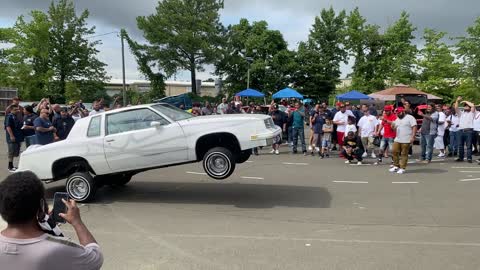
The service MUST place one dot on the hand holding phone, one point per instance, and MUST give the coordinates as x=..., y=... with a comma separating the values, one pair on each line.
x=59, y=207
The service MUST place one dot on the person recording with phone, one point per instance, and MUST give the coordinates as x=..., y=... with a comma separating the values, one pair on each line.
x=25, y=245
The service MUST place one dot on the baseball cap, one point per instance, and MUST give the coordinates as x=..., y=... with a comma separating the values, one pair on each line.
x=388, y=108
x=400, y=109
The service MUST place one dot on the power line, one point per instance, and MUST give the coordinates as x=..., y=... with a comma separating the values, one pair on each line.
x=115, y=32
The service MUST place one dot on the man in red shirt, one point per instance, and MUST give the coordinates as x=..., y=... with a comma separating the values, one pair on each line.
x=389, y=133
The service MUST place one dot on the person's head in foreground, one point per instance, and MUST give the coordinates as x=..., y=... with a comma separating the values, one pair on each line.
x=25, y=245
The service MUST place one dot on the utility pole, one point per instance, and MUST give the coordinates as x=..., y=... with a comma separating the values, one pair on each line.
x=123, y=72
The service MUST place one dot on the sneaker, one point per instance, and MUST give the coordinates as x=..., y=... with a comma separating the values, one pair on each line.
x=359, y=163
x=305, y=153
x=450, y=154
x=347, y=162
x=459, y=160
x=373, y=155
x=441, y=155
x=334, y=148
x=425, y=161
x=322, y=156
x=379, y=160
x=12, y=170
x=277, y=152
x=317, y=149
x=392, y=166
x=273, y=151
x=401, y=171
x=365, y=155
x=312, y=153
x=310, y=148
x=393, y=169
x=327, y=156
x=470, y=161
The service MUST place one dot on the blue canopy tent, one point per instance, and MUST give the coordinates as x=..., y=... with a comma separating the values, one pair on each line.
x=250, y=93
x=352, y=95
x=287, y=93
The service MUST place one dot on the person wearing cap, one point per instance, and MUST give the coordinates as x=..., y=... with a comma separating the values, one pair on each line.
x=465, y=129
x=388, y=132
x=63, y=125
x=19, y=112
x=405, y=128
x=14, y=135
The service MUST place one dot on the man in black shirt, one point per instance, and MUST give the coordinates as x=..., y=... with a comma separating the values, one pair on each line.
x=63, y=125
x=353, y=148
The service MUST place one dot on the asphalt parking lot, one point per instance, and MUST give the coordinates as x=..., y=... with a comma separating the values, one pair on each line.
x=289, y=212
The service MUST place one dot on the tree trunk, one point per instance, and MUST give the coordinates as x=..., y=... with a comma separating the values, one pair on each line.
x=193, y=77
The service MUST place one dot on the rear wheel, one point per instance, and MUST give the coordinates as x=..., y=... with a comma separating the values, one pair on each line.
x=219, y=163
x=81, y=187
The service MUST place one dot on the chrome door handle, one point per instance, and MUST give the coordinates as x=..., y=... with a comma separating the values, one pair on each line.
x=110, y=140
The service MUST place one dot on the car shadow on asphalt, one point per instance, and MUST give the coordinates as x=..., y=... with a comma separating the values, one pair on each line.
x=255, y=196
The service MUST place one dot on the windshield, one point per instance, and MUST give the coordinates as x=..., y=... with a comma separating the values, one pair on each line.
x=172, y=112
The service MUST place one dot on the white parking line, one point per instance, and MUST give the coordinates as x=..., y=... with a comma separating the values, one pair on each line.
x=249, y=161
x=351, y=182
x=196, y=173
x=367, y=164
x=251, y=177
x=404, y=182
x=466, y=167
x=469, y=180
x=298, y=164
x=470, y=171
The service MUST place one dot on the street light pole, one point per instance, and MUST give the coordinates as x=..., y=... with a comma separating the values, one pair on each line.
x=123, y=73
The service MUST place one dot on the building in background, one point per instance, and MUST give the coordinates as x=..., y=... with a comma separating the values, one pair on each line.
x=172, y=88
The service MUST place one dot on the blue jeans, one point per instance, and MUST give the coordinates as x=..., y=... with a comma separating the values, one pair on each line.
x=453, y=146
x=465, y=137
x=290, y=135
x=298, y=132
x=427, y=146
x=30, y=140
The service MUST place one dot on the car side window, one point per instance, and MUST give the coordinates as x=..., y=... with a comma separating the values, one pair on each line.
x=132, y=120
x=94, y=128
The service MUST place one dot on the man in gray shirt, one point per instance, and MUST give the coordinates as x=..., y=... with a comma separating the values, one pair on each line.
x=428, y=132
x=24, y=245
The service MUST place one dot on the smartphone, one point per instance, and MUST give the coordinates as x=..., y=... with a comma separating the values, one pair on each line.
x=59, y=206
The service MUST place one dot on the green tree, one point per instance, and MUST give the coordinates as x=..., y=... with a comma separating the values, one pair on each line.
x=320, y=57
x=51, y=49
x=468, y=49
x=5, y=36
x=264, y=51
x=182, y=35
x=366, y=45
x=72, y=55
x=400, y=52
x=439, y=72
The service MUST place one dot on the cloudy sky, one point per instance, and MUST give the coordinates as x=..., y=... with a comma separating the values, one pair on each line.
x=292, y=18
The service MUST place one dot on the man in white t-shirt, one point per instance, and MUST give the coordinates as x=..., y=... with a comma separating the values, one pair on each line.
x=441, y=123
x=366, y=128
x=24, y=245
x=406, y=127
x=452, y=121
x=96, y=108
x=465, y=129
x=341, y=120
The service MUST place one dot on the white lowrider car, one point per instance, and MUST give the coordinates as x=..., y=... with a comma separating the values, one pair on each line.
x=110, y=147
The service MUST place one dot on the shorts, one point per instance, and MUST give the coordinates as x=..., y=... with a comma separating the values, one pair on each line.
x=326, y=143
x=316, y=139
x=386, y=142
x=13, y=149
x=277, y=139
